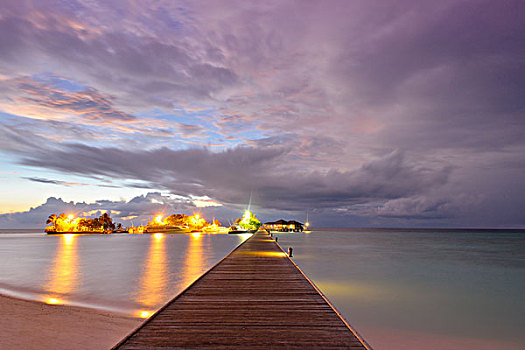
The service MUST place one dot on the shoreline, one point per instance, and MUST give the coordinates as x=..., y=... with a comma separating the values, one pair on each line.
x=29, y=324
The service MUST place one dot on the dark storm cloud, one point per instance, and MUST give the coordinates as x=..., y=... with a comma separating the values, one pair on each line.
x=230, y=175
x=190, y=168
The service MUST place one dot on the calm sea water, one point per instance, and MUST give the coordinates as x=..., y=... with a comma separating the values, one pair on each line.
x=401, y=289
x=421, y=289
x=131, y=274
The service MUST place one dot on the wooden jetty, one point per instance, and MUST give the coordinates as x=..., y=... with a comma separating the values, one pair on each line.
x=254, y=298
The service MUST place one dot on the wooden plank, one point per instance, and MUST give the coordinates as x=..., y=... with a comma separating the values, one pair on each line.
x=255, y=298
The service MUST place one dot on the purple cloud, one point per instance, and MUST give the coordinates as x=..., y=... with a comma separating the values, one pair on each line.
x=88, y=103
x=373, y=111
x=230, y=175
x=54, y=182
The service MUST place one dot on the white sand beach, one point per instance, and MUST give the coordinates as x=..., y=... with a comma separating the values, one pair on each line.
x=34, y=325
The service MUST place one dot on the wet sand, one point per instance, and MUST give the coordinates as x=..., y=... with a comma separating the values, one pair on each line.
x=34, y=325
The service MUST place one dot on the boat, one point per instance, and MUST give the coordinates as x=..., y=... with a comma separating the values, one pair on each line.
x=166, y=229
x=215, y=229
x=307, y=224
x=120, y=231
x=234, y=229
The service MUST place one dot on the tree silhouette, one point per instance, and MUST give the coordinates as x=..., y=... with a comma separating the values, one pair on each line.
x=52, y=219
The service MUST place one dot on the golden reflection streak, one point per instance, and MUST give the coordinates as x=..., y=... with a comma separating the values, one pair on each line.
x=193, y=264
x=64, y=273
x=153, y=282
x=265, y=254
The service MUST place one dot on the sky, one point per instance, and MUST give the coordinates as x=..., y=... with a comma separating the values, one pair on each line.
x=360, y=113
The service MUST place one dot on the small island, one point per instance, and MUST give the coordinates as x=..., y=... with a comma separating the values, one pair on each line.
x=181, y=223
x=62, y=223
x=177, y=223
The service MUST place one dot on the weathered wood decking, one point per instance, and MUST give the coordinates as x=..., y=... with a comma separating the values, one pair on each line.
x=256, y=297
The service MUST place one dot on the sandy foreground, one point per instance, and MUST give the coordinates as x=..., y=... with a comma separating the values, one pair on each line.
x=33, y=325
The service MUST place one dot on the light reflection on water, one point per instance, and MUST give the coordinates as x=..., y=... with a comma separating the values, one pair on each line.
x=153, y=283
x=132, y=274
x=63, y=278
x=193, y=264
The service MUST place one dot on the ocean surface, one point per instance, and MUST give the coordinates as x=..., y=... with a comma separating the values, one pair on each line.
x=401, y=289
x=130, y=274
x=421, y=289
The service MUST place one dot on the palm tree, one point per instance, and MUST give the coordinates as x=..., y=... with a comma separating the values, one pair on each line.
x=52, y=219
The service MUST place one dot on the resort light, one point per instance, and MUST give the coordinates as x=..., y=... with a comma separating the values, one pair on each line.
x=144, y=314
x=307, y=224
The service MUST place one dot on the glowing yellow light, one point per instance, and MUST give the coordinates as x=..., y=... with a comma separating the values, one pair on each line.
x=196, y=234
x=157, y=235
x=52, y=301
x=158, y=219
x=70, y=217
x=68, y=238
x=144, y=314
x=307, y=224
x=266, y=254
x=197, y=216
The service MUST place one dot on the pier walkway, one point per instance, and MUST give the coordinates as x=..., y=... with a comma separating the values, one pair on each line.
x=255, y=298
